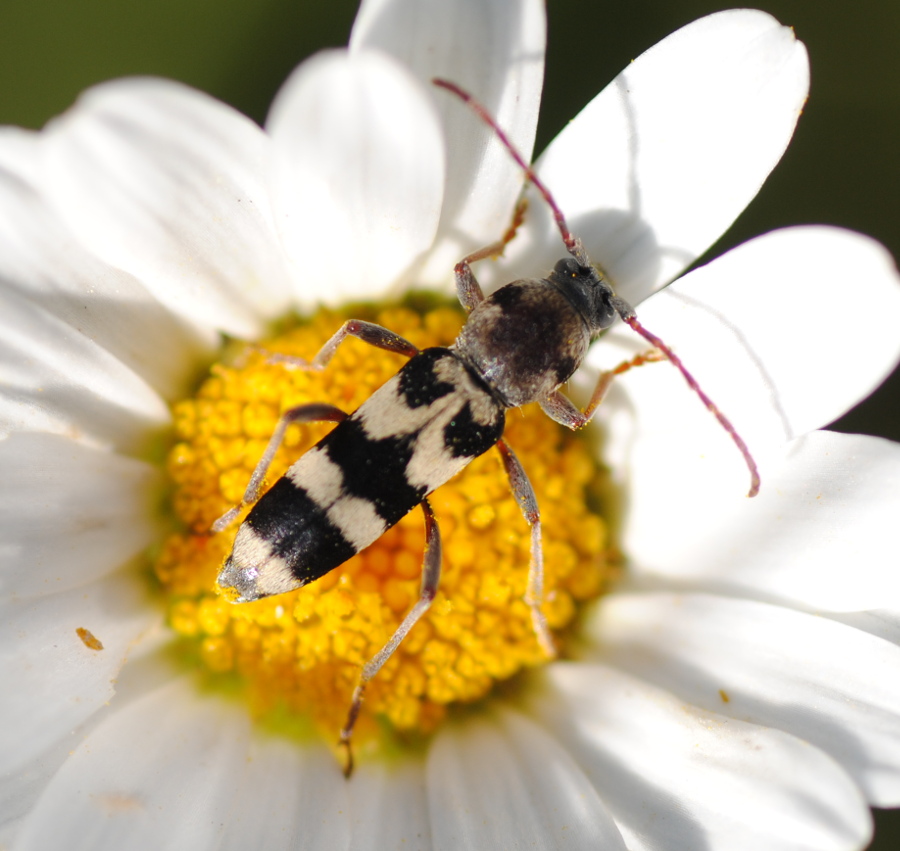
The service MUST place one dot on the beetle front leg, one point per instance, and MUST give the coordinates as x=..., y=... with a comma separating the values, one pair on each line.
x=468, y=290
x=561, y=409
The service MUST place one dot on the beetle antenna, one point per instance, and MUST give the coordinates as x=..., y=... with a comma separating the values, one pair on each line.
x=576, y=248
x=624, y=310
x=573, y=244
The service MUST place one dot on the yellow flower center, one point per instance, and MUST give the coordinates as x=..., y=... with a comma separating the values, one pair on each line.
x=301, y=652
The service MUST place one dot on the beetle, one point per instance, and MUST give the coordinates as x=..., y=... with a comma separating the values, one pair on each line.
x=443, y=408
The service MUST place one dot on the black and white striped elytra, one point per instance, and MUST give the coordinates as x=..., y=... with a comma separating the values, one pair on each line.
x=412, y=435
x=445, y=407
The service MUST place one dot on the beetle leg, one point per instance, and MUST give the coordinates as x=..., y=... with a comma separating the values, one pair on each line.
x=368, y=332
x=431, y=575
x=468, y=289
x=524, y=495
x=561, y=409
x=310, y=413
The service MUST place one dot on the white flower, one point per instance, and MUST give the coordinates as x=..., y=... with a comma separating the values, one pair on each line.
x=740, y=691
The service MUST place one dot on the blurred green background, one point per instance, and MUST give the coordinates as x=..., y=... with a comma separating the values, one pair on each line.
x=842, y=168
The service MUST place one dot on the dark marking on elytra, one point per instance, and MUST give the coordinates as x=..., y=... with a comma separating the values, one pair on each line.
x=374, y=469
x=299, y=531
x=419, y=384
x=465, y=437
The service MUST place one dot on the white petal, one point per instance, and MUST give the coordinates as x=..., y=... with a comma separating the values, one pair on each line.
x=21, y=165
x=70, y=513
x=508, y=785
x=815, y=311
x=827, y=683
x=157, y=774
x=57, y=379
x=177, y=771
x=148, y=666
x=389, y=806
x=169, y=185
x=20, y=790
x=286, y=796
x=674, y=776
x=820, y=534
x=43, y=261
x=495, y=51
x=359, y=173
x=52, y=680
x=772, y=362
x=658, y=166
x=885, y=623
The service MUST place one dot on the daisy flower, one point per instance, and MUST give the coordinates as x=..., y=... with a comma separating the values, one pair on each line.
x=735, y=688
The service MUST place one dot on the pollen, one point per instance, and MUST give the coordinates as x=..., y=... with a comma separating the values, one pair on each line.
x=300, y=653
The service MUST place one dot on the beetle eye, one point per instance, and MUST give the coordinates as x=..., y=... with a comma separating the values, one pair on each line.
x=567, y=266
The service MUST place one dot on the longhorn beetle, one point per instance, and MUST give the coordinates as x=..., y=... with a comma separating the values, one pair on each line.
x=445, y=407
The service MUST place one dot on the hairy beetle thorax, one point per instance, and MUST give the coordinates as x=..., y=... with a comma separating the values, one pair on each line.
x=524, y=340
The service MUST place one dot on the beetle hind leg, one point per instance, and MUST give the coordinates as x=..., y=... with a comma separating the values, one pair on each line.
x=431, y=575
x=534, y=594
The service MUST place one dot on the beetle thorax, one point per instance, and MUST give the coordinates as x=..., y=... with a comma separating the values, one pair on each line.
x=524, y=341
